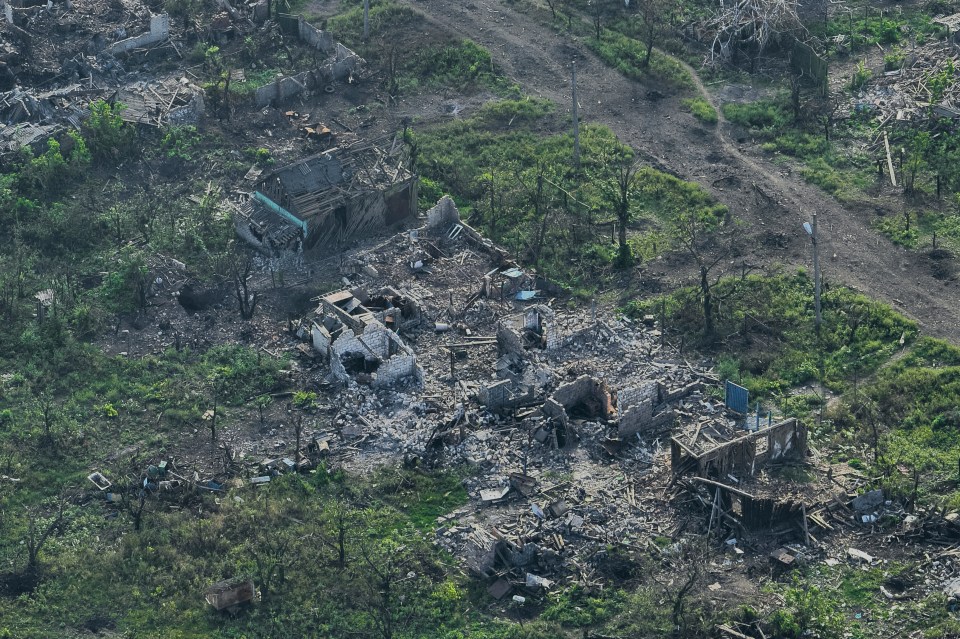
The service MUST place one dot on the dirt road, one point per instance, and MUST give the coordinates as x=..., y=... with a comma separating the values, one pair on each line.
x=769, y=199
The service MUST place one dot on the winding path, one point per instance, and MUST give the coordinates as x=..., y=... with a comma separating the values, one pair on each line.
x=771, y=199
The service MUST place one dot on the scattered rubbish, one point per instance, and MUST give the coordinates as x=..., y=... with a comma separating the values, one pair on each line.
x=533, y=581
x=499, y=589
x=494, y=494
x=868, y=501
x=99, y=480
x=783, y=556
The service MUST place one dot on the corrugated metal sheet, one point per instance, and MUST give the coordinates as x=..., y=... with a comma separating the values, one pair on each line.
x=736, y=398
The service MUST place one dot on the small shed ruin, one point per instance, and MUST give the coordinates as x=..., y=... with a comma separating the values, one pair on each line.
x=707, y=452
x=230, y=593
x=330, y=198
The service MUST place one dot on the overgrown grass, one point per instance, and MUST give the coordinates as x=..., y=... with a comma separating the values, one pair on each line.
x=870, y=27
x=913, y=402
x=462, y=65
x=459, y=64
x=701, y=109
x=832, y=167
x=763, y=115
x=385, y=18
x=490, y=162
x=769, y=321
x=629, y=57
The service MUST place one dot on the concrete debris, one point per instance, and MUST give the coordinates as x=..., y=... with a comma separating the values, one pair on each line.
x=868, y=501
x=85, y=52
x=859, y=555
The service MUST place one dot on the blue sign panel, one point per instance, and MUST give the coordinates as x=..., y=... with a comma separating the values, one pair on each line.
x=737, y=398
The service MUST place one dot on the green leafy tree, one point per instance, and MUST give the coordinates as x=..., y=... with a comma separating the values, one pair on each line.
x=108, y=136
x=618, y=192
x=126, y=286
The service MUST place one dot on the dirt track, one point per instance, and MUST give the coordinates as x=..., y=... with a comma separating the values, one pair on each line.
x=772, y=201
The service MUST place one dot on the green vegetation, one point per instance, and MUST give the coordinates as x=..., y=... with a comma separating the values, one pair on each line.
x=462, y=65
x=629, y=57
x=458, y=64
x=770, y=324
x=911, y=419
x=763, y=115
x=385, y=18
x=521, y=190
x=898, y=230
x=873, y=27
x=846, y=602
x=701, y=109
x=829, y=165
x=861, y=76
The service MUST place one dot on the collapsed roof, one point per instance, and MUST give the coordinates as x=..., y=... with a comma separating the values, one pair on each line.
x=329, y=198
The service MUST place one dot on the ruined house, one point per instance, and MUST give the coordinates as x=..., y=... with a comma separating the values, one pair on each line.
x=710, y=451
x=355, y=333
x=327, y=199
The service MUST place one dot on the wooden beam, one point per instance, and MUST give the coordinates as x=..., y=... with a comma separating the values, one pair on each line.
x=886, y=144
x=731, y=489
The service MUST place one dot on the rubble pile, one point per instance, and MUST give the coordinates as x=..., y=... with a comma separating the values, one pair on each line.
x=57, y=58
x=924, y=86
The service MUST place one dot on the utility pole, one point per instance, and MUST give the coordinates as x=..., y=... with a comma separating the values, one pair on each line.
x=812, y=232
x=366, y=20
x=576, y=121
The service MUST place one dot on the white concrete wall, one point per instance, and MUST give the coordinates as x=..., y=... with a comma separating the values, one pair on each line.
x=159, y=31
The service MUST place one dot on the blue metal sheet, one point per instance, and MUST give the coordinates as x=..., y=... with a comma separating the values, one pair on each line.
x=736, y=398
x=279, y=210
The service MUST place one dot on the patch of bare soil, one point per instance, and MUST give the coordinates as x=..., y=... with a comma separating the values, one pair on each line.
x=769, y=199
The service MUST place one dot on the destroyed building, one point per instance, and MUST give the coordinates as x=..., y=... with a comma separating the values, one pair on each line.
x=83, y=54
x=356, y=334
x=328, y=199
x=445, y=348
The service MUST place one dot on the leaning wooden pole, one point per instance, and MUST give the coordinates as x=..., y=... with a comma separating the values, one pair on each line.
x=576, y=121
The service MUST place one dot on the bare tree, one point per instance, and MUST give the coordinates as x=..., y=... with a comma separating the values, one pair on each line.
x=133, y=500
x=273, y=551
x=619, y=194
x=241, y=280
x=750, y=23
x=340, y=520
x=216, y=382
x=686, y=567
x=297, y=434
x=655, y=15
x=697, y=233
x=538, y=197
x=38, y=534
x=390, y=584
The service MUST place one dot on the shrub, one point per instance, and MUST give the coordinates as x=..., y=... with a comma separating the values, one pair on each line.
x=108, y=136
x=702, y=110
x=762, y=114
x=180, y=143
x=860, y=76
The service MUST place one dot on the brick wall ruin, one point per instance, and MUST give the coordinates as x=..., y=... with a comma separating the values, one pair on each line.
x=377, y=345
x=159, y=31
x=636, y=406
x=342, y=63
